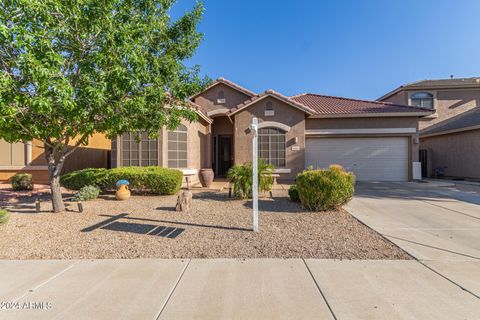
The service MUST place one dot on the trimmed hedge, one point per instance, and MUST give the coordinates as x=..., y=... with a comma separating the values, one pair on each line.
x=76, y=180
x=149, y=179
x=22, y=181
x=325, y=189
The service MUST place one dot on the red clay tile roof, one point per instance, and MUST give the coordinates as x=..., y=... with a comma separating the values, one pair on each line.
x=329, y=106
x=228, y=83
x=275, y=94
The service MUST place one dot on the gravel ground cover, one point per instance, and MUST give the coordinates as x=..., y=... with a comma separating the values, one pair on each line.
x=148, y=227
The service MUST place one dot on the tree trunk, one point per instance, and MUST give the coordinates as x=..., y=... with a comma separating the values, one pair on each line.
x=57, y=200
x=55, y=164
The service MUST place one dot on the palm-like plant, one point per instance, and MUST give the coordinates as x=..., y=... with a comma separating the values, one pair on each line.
x=241, y=176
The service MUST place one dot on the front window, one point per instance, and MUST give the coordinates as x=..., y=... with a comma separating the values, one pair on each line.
x=272, y=146
x=139, y=150
x=177, y=147
x=422, y=99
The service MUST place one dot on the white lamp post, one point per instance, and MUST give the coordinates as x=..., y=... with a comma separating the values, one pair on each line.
x=254, y=128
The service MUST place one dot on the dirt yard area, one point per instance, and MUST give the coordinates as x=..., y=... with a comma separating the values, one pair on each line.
x=216, y=227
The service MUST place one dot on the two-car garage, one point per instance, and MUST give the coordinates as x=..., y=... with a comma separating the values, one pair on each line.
x=370, y=158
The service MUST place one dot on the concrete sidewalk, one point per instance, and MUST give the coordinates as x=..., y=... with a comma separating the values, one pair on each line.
x=229, y=289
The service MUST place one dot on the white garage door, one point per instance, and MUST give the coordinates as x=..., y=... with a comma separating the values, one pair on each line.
x=381, y=159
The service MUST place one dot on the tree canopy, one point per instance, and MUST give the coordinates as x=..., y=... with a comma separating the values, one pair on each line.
x=69, y=68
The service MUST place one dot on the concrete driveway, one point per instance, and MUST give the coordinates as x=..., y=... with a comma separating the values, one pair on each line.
x=437, y=223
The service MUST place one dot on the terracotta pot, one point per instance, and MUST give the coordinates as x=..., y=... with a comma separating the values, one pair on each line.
x=123, y=193
x=206, y=177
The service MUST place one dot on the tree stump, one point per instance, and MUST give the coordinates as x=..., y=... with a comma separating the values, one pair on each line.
x=184, y=201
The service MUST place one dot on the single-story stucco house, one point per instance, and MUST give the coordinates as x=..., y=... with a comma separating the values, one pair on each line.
x=376, y=140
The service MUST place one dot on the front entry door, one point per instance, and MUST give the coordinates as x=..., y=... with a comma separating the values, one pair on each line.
x=225, y=154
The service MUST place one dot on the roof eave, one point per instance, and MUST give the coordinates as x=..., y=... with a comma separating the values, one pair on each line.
x=292, y=103
x=218, y=81
x=441, y=133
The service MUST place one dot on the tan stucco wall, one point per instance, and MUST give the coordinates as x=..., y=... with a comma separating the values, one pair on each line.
x=459, y=152
x=222, y=126
x=208, y=99
x=285, y=114
x=398, y=98
x=448, y=103
x=198, y=137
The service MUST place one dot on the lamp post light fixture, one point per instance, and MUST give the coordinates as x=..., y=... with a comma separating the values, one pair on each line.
x=254, y=128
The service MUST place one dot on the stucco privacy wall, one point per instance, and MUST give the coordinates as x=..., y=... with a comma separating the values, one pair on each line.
x=94, y=155
x=208, y=99
x=458, y=152
x=371, y=123
x=285, y=114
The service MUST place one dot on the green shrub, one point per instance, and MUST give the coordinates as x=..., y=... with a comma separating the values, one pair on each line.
x=4, y=216
x=325, y=189
x=22, y=181
x=293, y=193
x=150, y=179
x=87, y=177
x=242, y=178
x=87, y=193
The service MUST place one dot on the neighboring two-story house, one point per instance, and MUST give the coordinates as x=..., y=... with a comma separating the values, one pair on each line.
x=450, y=136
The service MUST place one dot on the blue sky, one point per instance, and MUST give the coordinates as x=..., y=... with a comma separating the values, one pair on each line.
x=358, y=49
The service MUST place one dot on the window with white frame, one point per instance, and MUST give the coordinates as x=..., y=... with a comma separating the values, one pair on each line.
x=177, y=147
x=422, y=99
x=272, y=146
x=139, y=150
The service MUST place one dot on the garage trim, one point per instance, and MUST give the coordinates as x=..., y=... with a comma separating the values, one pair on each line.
x=360, y=131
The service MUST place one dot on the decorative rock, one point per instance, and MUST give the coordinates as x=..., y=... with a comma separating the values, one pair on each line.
x=184, y=201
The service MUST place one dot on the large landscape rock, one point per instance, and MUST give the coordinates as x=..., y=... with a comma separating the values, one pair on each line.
x=184, y=201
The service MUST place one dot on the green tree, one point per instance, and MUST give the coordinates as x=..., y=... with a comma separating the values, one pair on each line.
x=69, y=68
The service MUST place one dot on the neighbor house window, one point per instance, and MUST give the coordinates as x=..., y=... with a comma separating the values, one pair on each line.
x=272, y=146
x=177, y=147
x=139, y=150
x=422, y=99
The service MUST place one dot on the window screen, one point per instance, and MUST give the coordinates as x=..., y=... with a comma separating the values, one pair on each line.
x=272, y=146
x=177, y=147
x=141, y=154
